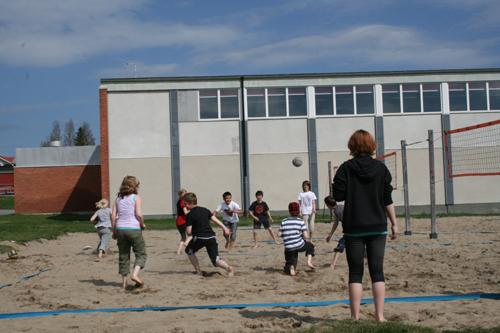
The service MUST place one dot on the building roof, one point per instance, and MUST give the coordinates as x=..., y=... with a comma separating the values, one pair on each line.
x=300, y=75
x=6, y=160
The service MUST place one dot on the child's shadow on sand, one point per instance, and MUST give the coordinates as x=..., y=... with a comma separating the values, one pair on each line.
x=102, y=283
x=268, y=269
x=210, y=274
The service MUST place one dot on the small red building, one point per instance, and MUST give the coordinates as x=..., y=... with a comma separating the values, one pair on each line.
x=7, y=164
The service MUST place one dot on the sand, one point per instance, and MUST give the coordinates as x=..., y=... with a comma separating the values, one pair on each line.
x=464, y=259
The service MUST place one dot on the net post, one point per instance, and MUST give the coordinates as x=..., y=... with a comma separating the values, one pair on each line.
x=405, y=188
x=432, y=181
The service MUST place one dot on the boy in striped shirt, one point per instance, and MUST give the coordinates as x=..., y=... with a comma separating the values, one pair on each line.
x=294, y=232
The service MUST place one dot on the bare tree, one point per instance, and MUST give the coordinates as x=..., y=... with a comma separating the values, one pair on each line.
x=69, y=133
x=55, y=134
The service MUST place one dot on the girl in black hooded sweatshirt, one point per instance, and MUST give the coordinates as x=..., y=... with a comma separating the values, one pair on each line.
x=364, y=184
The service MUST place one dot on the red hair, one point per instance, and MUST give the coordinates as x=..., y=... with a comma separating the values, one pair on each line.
x=361, y=142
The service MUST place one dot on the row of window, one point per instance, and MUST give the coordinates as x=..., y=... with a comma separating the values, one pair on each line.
x=349, y=100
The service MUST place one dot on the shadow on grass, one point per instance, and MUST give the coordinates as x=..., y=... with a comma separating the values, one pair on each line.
x=69, y=217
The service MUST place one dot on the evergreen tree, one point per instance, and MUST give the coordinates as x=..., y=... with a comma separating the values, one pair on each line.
x=84, y=136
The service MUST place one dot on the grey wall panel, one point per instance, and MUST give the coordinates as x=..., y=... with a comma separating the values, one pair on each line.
x=189, y=105
x=478, y=189
x=139, y=125
x=210, y=176
x=174, y=147
x=277, y=177
x=313, y=154
x=337, y=158
x=57, y=156
x=154, y=175
x=418, y=177
x=462, y=119
x=207, y=138
x=379, y=136
x=333, y=133
x=411, y=128
x=277, y=136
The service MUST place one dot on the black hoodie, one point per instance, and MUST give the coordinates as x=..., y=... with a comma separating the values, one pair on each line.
x=365, y=185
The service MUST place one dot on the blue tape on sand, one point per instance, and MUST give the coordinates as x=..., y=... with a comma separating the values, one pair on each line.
x=413, y=299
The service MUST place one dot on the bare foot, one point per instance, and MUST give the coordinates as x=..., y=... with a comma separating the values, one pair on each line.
x=332, y=267
x=292, y=271
x=230, y=271
x=255, y=246
x=138, y=282
x=99, y=255
x=124, y=284
x=310, y=265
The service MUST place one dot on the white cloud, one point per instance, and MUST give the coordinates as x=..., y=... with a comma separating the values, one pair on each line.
x=363, y=46
x=138, y=69
x=55, y=33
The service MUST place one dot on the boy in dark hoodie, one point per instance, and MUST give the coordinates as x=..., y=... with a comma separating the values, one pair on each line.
x=364, y=184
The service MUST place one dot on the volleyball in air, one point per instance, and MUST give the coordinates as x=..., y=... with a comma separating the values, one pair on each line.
x=297, y=162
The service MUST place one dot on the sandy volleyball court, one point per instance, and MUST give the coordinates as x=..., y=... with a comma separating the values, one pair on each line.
x=464, y=259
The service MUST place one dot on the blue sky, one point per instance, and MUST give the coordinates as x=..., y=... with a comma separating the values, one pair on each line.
x=53, y=53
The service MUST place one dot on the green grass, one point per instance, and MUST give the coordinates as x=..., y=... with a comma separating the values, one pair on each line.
x=24, y=228
x=6, y=202
x=365, y=326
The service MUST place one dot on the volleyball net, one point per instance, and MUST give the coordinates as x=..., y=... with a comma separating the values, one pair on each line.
x=390, y=160
x=473, y=150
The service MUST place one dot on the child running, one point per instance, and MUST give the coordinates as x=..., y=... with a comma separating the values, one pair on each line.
x=198, y=226
x=229, y=210
x=102, y=222
x=307, y=201
x=259, y=212
x=128, y=223
x=294, y=233
x=180, y=220
x=338, y=212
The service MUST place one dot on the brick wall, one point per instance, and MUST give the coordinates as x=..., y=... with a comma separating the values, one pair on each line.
x=103, y=117
x=57, y=189
x=7, y=178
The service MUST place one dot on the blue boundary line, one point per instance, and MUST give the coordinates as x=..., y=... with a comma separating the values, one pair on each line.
x=410, y=299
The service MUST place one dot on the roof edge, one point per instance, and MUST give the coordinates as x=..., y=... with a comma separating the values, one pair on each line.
x=298, y=75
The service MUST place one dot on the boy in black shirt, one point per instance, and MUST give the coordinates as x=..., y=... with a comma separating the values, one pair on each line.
x=198, y=226
x=259, y=212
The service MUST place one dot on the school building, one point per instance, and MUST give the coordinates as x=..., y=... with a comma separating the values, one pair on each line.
x=240, y=134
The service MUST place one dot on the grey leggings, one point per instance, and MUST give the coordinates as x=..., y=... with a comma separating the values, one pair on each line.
x=355, y=251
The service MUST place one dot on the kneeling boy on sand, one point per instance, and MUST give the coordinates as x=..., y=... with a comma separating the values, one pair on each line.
x=198, y=227
x=294, y=233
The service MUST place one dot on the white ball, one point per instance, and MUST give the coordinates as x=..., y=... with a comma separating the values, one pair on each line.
x=297, y=162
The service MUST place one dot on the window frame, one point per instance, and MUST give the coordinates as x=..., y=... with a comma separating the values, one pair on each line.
x=219, y=104
x=266, y=104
